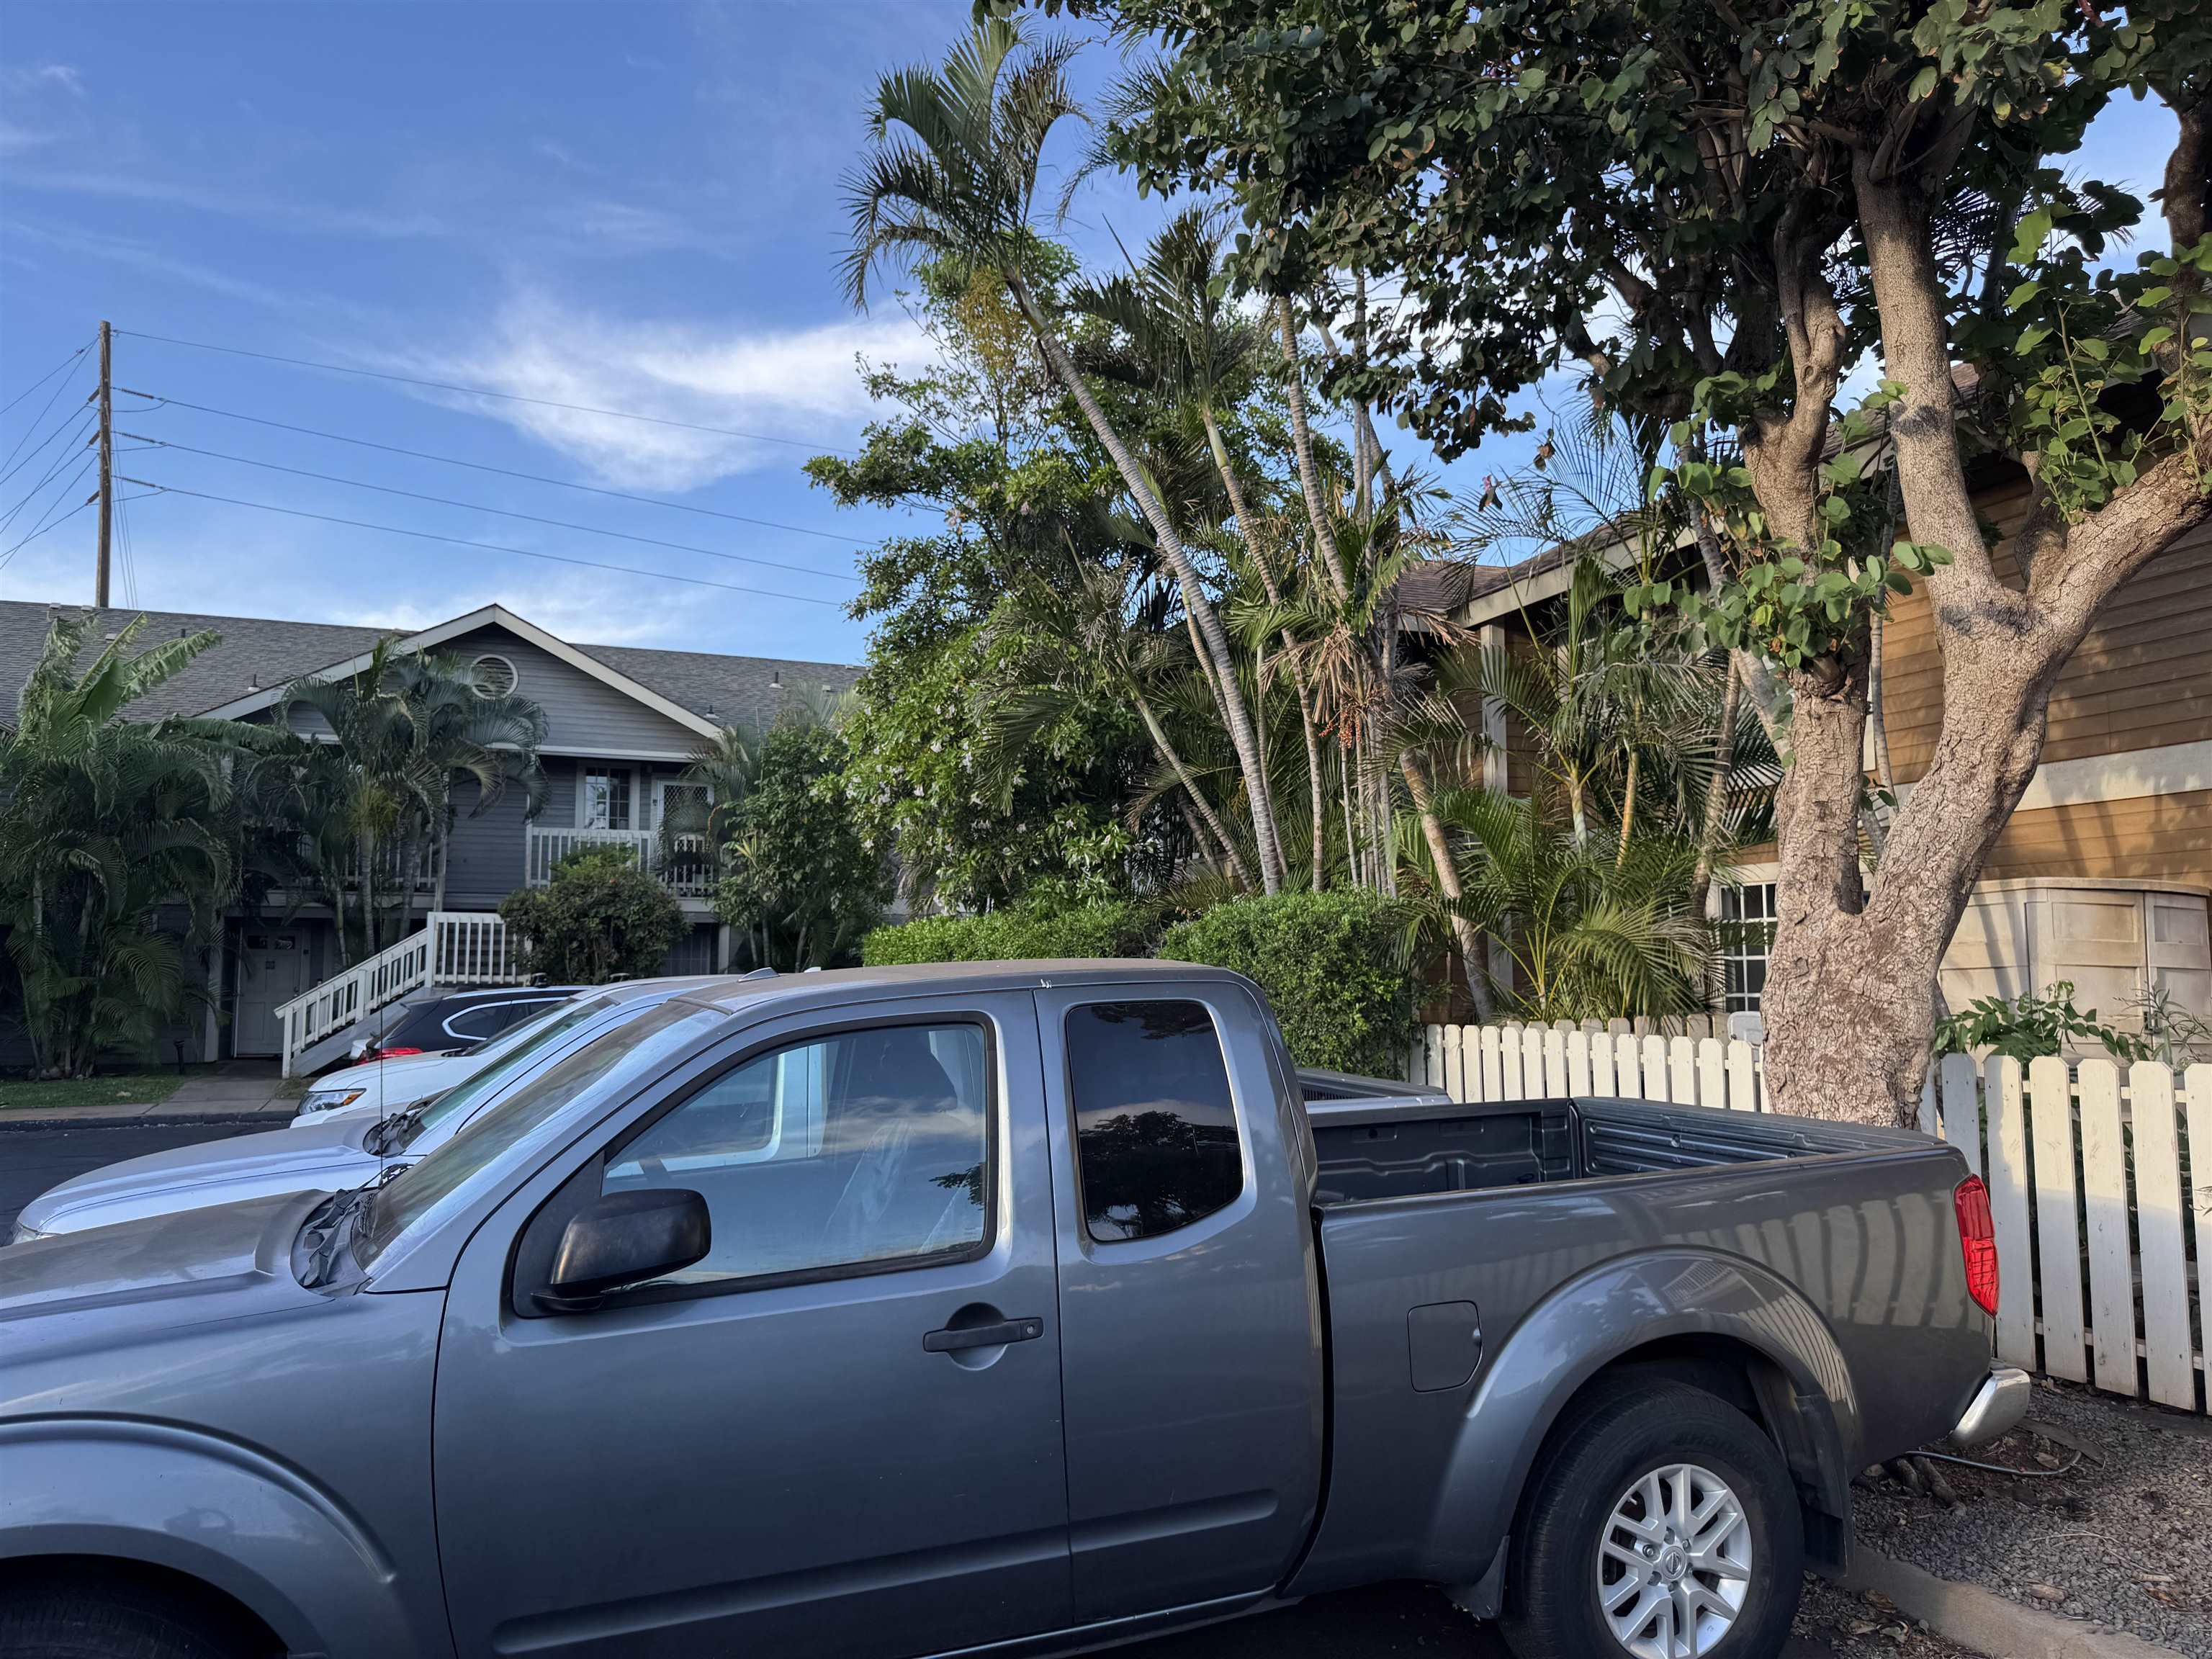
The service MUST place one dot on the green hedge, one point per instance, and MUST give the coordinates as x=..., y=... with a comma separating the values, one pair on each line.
x=1333, y=963
x=1025, y=932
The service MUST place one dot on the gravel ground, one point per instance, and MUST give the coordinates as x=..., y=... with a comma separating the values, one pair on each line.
x=1861, y=1627
x=2122, y=1538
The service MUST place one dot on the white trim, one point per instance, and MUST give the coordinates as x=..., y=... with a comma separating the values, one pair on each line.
x=491, y=615
x=600, y=751
x=2132, y=774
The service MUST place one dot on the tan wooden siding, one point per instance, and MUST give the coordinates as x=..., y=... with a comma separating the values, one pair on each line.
x=2153, y=839
x=2142, y=679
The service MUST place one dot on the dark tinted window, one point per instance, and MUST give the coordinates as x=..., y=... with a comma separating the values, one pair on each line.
x=1155, y=1131
x=471, y=1023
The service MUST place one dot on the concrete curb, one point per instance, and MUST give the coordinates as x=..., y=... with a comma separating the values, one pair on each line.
x=19, y=1122
x=1984, y=1622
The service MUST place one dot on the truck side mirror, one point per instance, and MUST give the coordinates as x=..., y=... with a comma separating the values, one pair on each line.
x=625, y=1238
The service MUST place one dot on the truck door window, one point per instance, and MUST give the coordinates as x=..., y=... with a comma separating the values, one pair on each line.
x=1155, y=1129
x=863, y=1150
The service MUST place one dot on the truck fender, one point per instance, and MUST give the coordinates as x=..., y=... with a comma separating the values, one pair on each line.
x=216, y=1510
x=1592, y=1321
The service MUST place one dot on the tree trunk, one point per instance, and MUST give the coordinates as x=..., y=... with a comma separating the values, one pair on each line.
x=1302, y=443
x=1169, y=753
x=1237, y=717
x=1715, y=815
x=1464, y=933
x=1236, y=507
x=1851, y=988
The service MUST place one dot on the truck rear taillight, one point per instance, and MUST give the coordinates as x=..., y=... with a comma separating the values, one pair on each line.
x=1979, y=1239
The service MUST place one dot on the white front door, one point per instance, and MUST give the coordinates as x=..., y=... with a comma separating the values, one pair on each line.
x=272, y=969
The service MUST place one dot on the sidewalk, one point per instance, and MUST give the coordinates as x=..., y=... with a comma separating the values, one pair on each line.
x=225, y=1092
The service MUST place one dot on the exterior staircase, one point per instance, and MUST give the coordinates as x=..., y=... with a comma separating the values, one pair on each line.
x=453, y=947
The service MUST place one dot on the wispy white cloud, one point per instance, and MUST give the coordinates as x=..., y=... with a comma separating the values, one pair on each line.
x=123, y=250
x=794, y=383
x=328, y=218
x=21, y=78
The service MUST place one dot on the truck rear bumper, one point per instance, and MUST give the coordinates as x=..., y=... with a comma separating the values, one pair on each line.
x=1997, y=1405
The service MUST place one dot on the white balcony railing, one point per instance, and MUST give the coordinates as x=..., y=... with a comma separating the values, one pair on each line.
x=683, y=864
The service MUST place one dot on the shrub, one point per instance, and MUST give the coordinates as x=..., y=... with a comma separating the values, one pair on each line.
x=600, y=918
x=803, y=887
x=1025, y=932
x=1333, y=963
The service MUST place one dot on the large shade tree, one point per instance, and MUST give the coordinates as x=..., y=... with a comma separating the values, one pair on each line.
x=1721, y=215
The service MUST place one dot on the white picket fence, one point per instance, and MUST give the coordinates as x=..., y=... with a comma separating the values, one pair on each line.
x=2103, y=1223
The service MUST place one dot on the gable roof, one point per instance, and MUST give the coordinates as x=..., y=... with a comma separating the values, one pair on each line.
x=257, y=657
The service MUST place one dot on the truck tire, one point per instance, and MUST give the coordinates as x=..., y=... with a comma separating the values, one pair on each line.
x=1661, y=1524
x=92, y=1617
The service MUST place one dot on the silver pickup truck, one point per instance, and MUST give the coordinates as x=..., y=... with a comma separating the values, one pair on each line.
x=1017, y=1308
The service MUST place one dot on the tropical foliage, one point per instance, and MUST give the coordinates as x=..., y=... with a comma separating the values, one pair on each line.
x=1332, y=965
x=376, y=800
x=600, y=918
x=802, y=886
x=1178, y=641
x=105, y=820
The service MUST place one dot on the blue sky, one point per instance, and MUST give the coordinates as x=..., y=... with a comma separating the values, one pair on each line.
x=627, y=206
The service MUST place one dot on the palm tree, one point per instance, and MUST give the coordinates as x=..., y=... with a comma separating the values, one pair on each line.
x=1099, y=624
x=1193, y=345
x=1592, y=932
x=952, y=176
x=103, y=820
x=455, y=729
x=400, y=731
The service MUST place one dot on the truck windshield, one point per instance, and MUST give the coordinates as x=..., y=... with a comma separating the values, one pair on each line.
x=530, y=1119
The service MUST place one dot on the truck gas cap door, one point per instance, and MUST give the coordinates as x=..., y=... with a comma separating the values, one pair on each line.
x=1445, y=1342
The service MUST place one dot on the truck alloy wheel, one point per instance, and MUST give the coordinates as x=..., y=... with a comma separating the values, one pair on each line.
x=1674, y=1563
x=1660, y=1523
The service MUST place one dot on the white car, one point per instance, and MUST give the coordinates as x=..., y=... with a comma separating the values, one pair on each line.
x=339, y=1149
x=380, y=1087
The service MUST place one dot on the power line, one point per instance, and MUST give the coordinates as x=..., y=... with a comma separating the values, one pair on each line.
x=504, y=513
x=503, y=471
x=60, y=461
x=488, y=547
x=37, y=417
x=484, y=391
x=36, y=453
x=44, y=378
x=43, y=526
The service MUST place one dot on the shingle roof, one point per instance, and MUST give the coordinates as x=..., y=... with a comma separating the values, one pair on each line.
x=750, y=690
x=263, y=652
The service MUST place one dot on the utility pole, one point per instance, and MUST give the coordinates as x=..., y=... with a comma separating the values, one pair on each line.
x=106, y=469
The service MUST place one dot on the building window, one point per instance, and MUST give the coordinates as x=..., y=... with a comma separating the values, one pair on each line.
x=494, y=677
x=606, y=801
x=1747, y=940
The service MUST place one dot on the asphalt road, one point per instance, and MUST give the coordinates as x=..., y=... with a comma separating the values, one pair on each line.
x=1388, y=1621
x=32, y=1160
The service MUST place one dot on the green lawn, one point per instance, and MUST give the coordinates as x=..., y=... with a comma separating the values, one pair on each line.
x=116, y=1089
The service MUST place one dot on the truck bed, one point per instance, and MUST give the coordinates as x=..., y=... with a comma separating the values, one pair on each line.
x=1477, y=1260
x=1370, y=1149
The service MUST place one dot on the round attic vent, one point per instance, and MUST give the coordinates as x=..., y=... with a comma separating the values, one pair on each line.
x=494, y=677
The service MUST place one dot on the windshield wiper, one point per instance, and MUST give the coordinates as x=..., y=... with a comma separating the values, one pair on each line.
x=392, y=1133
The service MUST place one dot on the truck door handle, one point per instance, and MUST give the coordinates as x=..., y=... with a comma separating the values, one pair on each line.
x=953, y=1338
